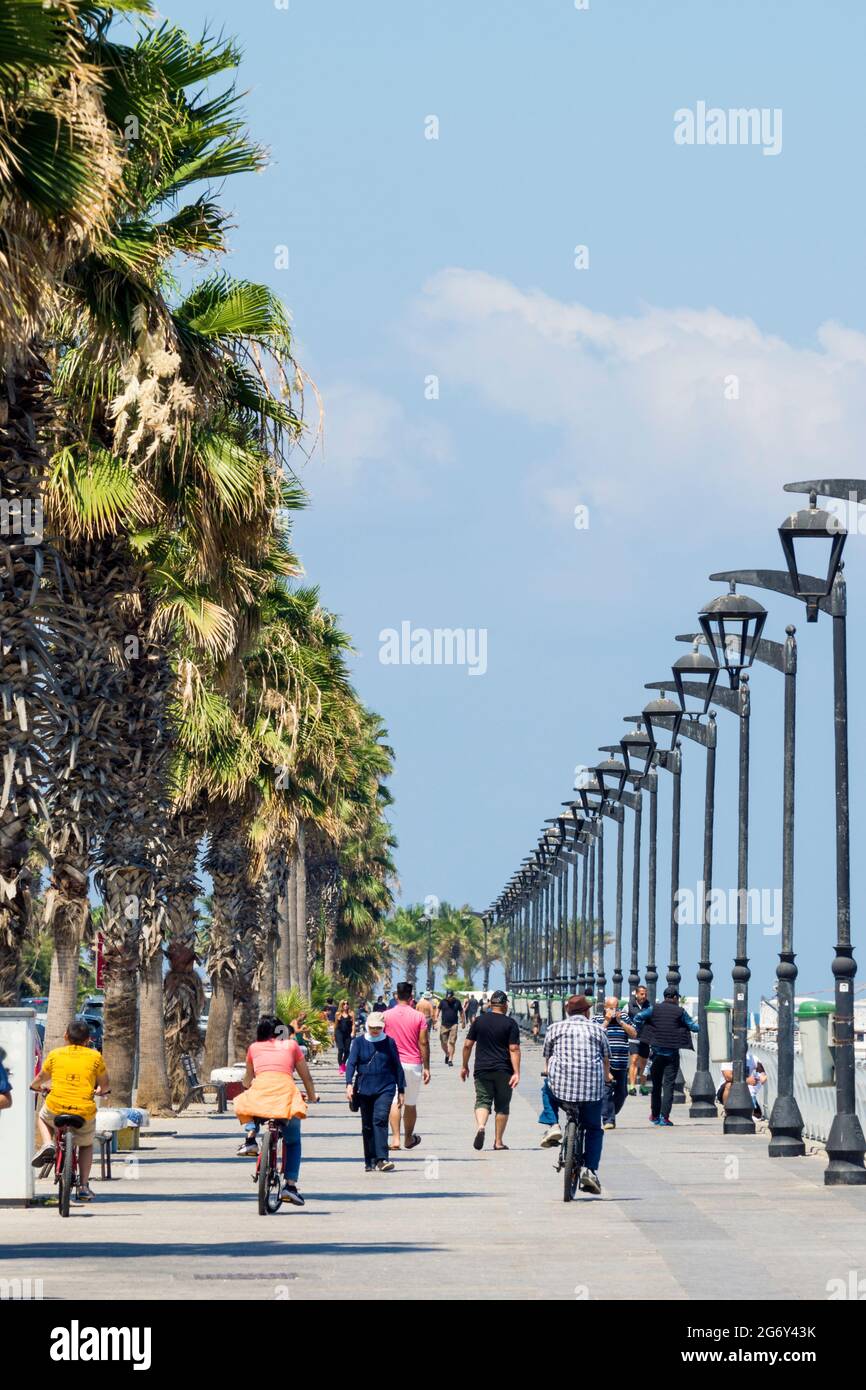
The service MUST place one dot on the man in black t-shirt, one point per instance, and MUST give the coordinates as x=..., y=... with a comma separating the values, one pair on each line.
x=449, y=1017
x=497, y=1066
x=470, y=1008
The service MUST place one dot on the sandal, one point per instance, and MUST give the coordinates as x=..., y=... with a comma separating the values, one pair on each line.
x=413, y=1142
x=497, y=1148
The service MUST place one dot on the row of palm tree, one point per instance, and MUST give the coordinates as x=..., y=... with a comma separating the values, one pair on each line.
x=455, y=937
x=172, y=696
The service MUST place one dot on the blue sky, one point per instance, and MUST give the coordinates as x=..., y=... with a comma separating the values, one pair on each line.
x=603, y=387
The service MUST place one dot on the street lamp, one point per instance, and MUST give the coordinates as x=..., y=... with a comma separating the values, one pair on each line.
x=728, y=616
x=426, y=917
x=811, y=524
x=845, y=1143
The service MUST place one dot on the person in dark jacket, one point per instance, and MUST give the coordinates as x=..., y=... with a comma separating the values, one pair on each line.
x=667, y=1028
x=375, y=1061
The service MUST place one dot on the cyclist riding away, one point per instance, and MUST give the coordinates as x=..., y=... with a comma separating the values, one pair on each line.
x=577, y=1057
x=75, y=1074
x=270, y=1093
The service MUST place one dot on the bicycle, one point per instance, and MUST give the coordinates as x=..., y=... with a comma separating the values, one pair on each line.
x=571, y=1153
x=267, y=1174
x=66, y=1174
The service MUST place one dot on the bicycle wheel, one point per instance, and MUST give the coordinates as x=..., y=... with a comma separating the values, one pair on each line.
x=265, y=1159
x=570, y=1161
x=66, y=1174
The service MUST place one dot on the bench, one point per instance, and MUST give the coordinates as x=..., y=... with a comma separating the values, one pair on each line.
x=195, y=1089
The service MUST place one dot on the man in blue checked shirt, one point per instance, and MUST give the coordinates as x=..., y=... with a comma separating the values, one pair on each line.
x=577, y=1066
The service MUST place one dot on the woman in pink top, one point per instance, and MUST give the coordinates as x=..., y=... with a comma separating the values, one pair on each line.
x=275, y=1050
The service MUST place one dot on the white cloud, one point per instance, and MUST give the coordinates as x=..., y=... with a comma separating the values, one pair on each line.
x=638, y=403
x=368, y=439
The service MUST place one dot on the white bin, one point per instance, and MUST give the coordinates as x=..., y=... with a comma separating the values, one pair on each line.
x=814, y=1017
x=719, y=1030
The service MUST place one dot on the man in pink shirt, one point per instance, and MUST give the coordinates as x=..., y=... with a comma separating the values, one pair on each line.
x=408, y=1028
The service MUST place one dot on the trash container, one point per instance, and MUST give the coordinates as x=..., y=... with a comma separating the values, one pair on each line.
x=813, y=1016
x=719, y=1030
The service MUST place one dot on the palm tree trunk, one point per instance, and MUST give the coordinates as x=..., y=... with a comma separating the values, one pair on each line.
x=216, y=1048
x=183, y=989
x=67, y=912
x=412, y=967
x=286, y=950
x=15, y=902
x=154, y=1088
x=302, y=961
x=120, y=1011
x=225, y=861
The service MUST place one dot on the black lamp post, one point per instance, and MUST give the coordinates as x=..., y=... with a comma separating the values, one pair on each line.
x=732, y=626
x=425, y=917
x=826, y=593
x=786, y=1122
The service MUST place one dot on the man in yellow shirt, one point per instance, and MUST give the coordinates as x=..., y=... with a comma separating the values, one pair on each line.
x=71, y=1075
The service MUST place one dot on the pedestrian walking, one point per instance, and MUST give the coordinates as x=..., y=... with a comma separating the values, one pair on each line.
x=535, y=1019
x=667, y=1028
x=470, y=1009
x=449, y=1017
x=374, y=1075
x=408, y=1028
x=344, y=1026
x=619, y=1032
x=577, y=1057
x=496, y=1038
x=638, y=1050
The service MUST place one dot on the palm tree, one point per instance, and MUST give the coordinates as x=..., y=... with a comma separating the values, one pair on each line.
x=457, y=942
x=406, y=933
x=60, y=178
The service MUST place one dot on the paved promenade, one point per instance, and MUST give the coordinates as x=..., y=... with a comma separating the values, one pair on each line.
x=686, y=1213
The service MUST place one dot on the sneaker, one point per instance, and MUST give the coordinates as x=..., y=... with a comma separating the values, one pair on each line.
x=632, y=1090
x=609, y=1124
x=385, y=1166
x=664, y=1123
x=589, y=1181
x=644, y=1090
x=478, y=1141
x=84, y=1194
x=552, y=1137
x=248, y=1149
x=290, y=1193
x=45, y=1155
x=368, y=1168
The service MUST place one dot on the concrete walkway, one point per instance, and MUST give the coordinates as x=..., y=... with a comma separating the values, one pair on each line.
x=686, y=1214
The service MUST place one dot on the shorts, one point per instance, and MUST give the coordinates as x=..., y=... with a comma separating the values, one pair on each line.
x=83, y=1137
x=447, y=1035
x=412, y=1073
x=493, y=1091
x=637, y=1048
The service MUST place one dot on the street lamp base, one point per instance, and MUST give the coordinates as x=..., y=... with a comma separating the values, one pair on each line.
x=738, y=1124
x=786, y=1146
x=739, y=1114
x=845, y=1149
x=786, y=1129
x=703, y=1093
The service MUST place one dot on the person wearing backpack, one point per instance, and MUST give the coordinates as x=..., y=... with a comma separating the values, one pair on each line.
x=374, y=1073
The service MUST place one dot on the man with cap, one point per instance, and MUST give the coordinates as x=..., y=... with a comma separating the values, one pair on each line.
x=497, y=1066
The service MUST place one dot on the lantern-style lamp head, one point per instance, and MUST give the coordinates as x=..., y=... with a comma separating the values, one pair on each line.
x=638, y=746
x=699, y=669
x=611, y=776
x=586, y=786
x=733, y=616
x=662, y=715
x=811, y=524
